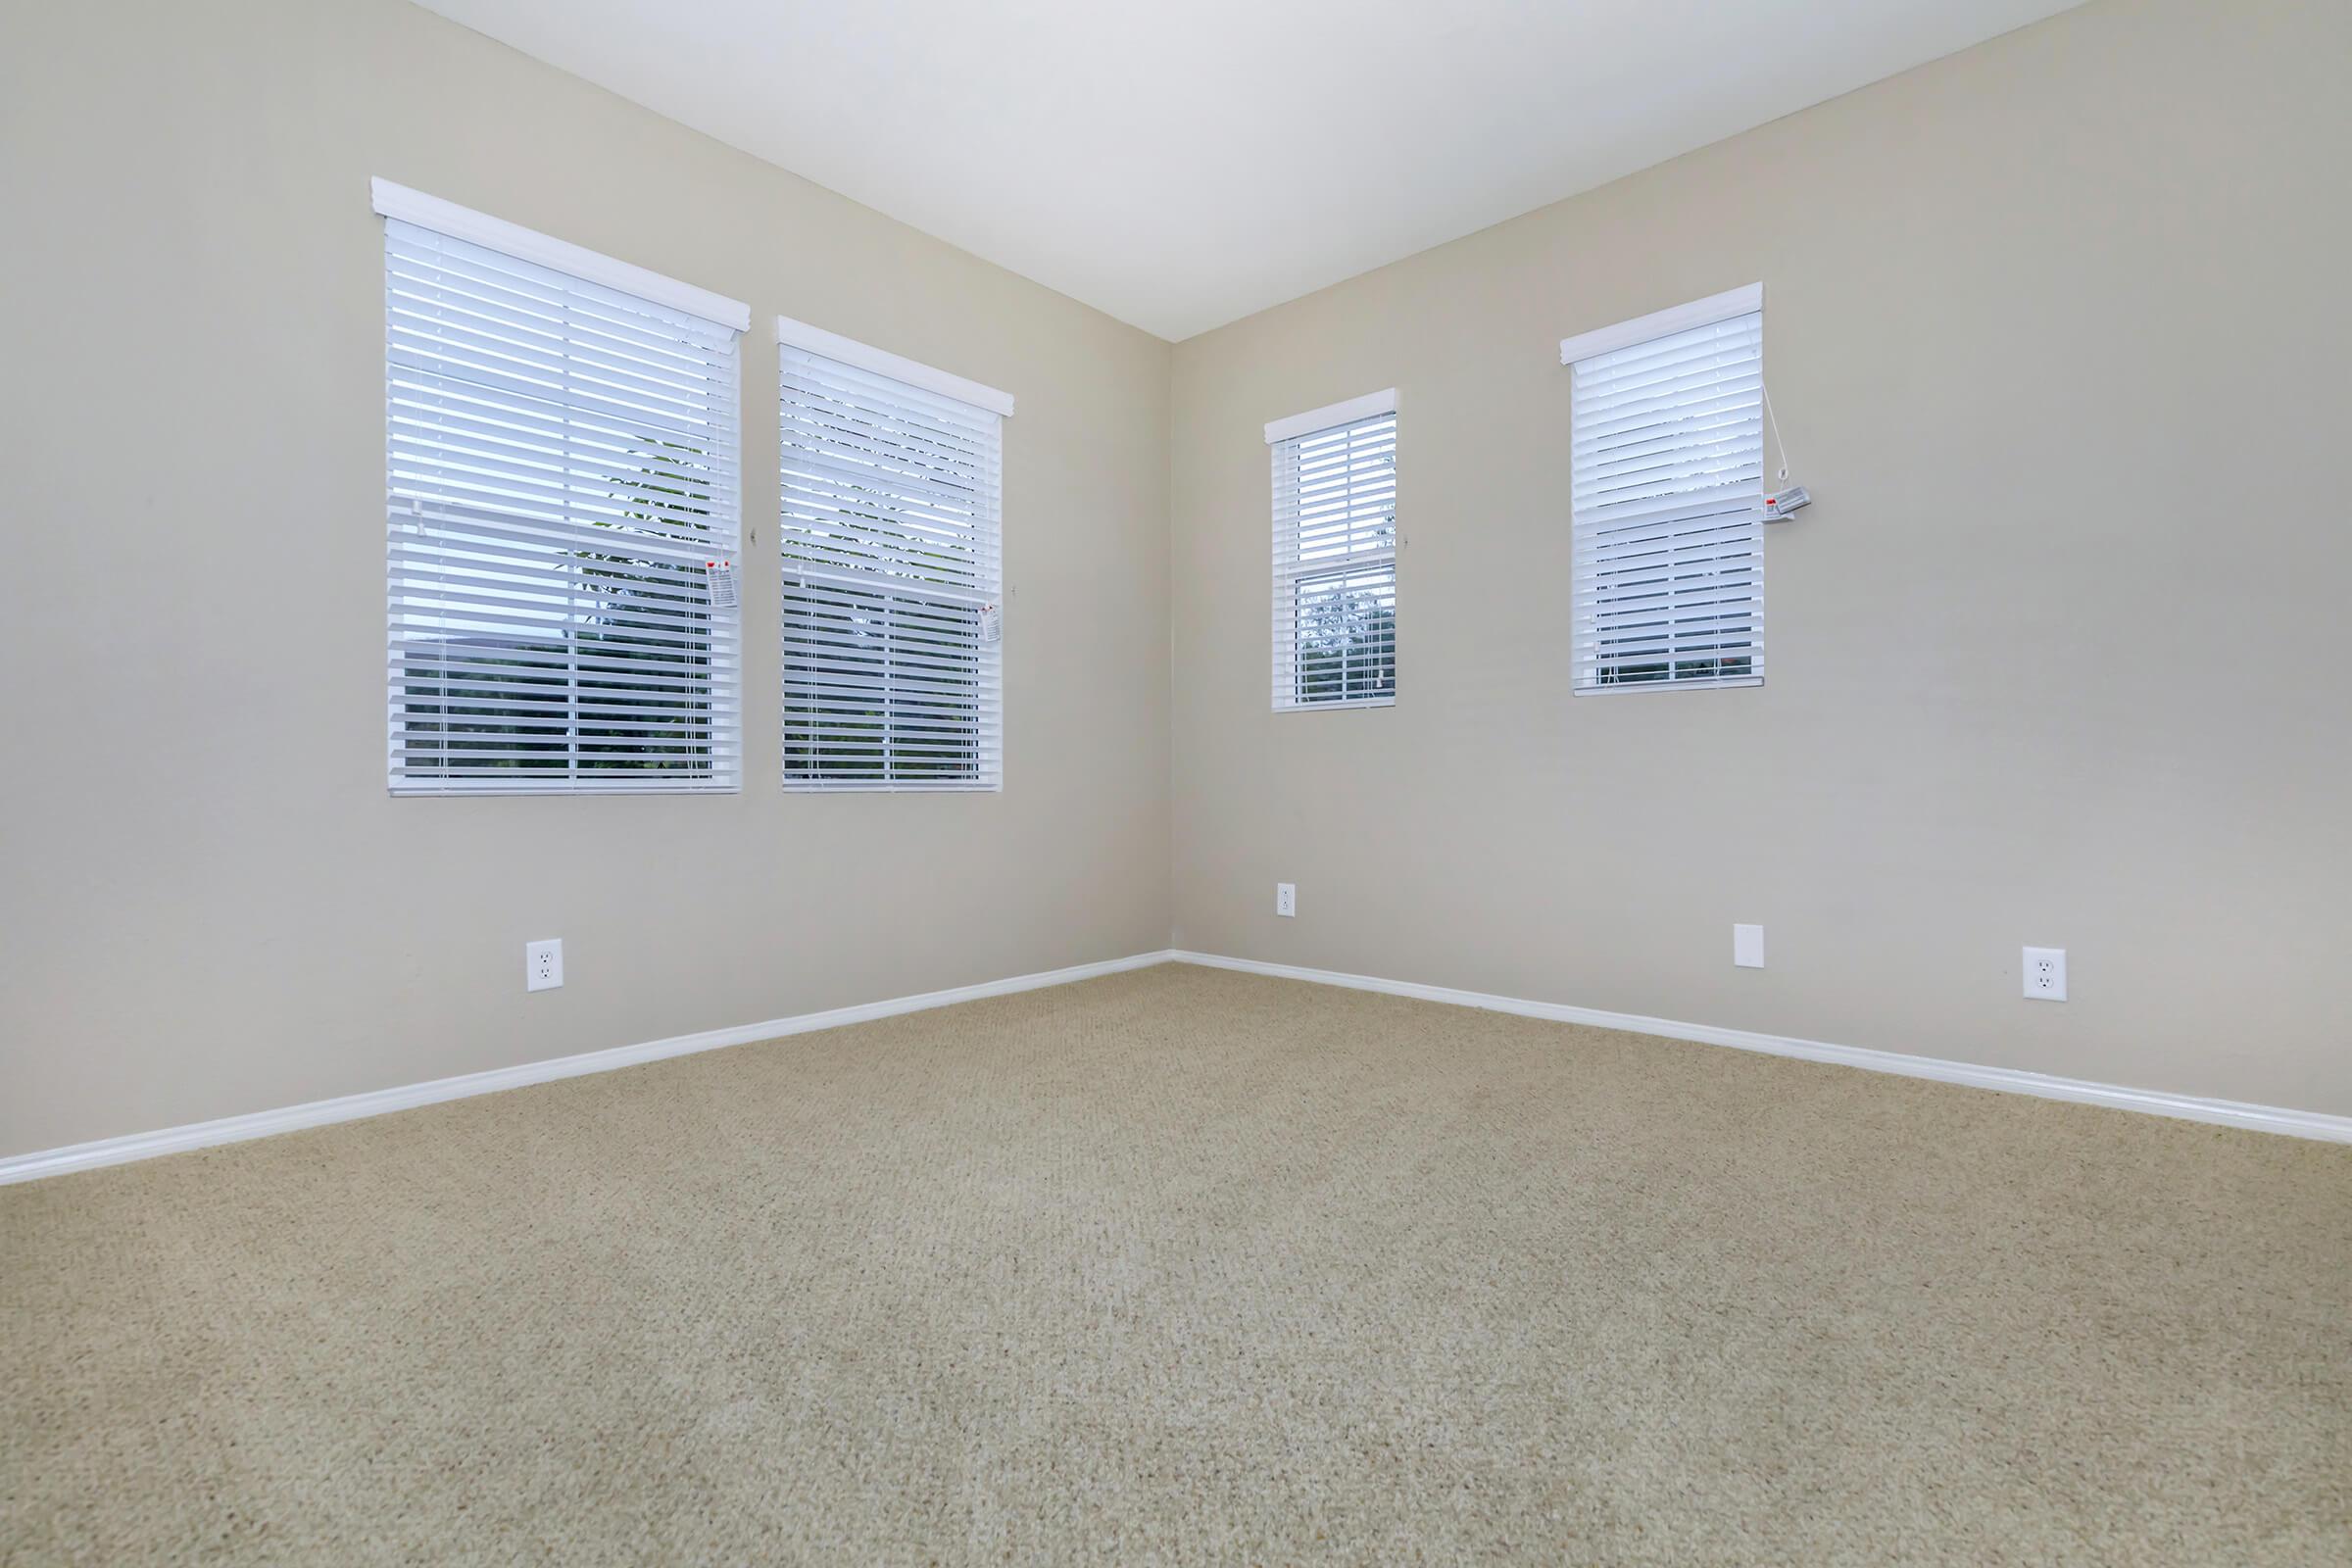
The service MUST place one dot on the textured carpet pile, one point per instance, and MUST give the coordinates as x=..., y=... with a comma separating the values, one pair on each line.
x=1190, y=1266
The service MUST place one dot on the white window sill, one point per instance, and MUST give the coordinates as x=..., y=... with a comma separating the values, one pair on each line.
x=1618, y=688
x=1350, y=701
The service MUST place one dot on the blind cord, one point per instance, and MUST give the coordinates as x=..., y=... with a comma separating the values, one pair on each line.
x=1775, y=433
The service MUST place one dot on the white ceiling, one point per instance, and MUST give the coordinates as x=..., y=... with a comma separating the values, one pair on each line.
x=1182, y=162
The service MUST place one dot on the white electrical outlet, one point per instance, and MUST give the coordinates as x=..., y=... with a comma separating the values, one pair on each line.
x=542, y=965
x=1748, y=945
x=2046, y=975
x=1286, y=899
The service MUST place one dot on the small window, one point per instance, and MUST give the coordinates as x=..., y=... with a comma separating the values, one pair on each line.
x=561, y=488
x=1666, y=479
x=893, y=571
x=1335, y=555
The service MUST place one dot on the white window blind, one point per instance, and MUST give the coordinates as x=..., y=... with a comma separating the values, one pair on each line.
x=1666, y=474
x=563, y=484
x=892, y=572
x=1335, y=555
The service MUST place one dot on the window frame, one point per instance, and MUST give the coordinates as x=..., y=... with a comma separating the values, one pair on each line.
x=722, y=693
x=1731, y=305
x=1292, y=571
x=893, y=590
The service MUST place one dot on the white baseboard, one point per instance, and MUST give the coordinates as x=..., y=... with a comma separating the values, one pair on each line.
x=350, y=1108
x=2008, y=1080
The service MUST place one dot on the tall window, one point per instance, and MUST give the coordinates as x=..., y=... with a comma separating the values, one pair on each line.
x=563, y=499
x=893, y=571
x=1335, y=555
x=1666, y=474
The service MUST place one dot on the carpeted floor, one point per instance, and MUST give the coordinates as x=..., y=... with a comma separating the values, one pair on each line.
x=1190, y=1266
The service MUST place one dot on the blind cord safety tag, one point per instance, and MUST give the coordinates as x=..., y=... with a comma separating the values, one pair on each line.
x=721, y=580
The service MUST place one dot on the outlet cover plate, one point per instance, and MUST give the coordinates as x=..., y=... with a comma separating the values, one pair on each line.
x=2046, y=975
x=542, y=965
x=1286, y=899
x=1748, y=945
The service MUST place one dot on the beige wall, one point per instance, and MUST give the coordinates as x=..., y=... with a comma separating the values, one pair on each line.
x=210, y=904
x=2056, y=327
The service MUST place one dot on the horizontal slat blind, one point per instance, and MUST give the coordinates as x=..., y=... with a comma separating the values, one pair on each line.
x=893, y=578
x=562, y=472
x=1335, y=565
x=1667, y=471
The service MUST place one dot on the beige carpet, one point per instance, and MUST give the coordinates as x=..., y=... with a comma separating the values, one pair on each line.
x=1187, y=1266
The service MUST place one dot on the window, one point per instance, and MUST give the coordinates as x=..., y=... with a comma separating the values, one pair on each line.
x=1335, y=555
x=562, y=487
x=1666, y=479
x=893, y=574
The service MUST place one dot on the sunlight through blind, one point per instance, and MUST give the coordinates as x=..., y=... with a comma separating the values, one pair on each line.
x=1667, y=466
x=892, y=583
x=1335, y=556
x=562, y=489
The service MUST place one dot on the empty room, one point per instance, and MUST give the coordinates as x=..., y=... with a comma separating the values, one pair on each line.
x=1055, y=783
